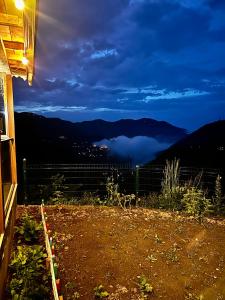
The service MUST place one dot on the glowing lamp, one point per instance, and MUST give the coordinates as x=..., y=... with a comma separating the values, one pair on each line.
x=25, y=61
x=19, y=4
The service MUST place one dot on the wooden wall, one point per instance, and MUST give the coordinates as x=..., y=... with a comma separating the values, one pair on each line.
x=7, y=214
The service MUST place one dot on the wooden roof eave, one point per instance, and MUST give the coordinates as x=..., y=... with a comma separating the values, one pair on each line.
x=17, y=31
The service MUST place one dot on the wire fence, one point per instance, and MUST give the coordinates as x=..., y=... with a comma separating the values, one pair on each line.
x=92, y=178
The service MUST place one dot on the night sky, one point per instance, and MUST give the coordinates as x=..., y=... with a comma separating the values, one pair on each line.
x=114, y=59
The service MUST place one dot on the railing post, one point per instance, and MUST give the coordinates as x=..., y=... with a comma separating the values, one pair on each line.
x=25, y=180
x=137, y=180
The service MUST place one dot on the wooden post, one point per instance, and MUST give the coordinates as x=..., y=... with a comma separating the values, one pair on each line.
x=25, y=180
x=137, y=180
x=11, y=127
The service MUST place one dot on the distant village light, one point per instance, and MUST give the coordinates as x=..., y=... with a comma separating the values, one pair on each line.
x=19, y=4
x=25, y=61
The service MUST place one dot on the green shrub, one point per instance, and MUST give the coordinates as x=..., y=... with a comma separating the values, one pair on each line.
x=173, y=198
x=195, y=203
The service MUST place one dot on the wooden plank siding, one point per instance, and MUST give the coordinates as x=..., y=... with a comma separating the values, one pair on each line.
x=17, y=40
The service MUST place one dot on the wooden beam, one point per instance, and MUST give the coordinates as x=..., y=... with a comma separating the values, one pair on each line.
x=4, y=65
x=14, y=45
x=12, y=33
x=10, y=20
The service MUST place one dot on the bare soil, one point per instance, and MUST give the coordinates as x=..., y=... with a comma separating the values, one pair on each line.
x=181, y=258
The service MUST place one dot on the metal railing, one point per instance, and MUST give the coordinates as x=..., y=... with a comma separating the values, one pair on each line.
x=81, y=178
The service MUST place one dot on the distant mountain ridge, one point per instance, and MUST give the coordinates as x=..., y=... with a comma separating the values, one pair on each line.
x=99, y=129
x=44, y=139
x=204, y=147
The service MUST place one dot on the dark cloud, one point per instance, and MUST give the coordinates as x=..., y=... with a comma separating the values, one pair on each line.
x=119, y=58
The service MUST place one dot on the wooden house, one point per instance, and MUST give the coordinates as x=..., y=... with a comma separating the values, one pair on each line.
x=17, y=40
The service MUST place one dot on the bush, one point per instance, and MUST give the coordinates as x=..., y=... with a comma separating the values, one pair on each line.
x=195, y=202
x=173, y=199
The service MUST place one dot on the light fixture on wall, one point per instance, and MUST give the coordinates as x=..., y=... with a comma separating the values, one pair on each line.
x=25, y=61
x=19, y=4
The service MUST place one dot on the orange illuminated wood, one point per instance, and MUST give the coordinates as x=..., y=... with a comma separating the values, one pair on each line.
x=17, y=34
x=5, y=33
x=11, y=126
x=14, y=34
x=2, y=6
x=4, y=66
x=17, y=29
x=12, y=20
x=14, y=45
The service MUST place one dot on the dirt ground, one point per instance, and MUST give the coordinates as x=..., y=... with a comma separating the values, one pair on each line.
x=180, y=258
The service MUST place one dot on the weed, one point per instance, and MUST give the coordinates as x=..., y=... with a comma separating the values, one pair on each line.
x=76, y=295
x=191, y=296
x=54, y=192
x=145, y=287
x=126, y=200
x=112, y=189
x=151, y=258
x=150, y=200
x=100, y=292
x=69, y=285
x=171, y=254
x=170, y=185
x=218, y=197
x=157, y=239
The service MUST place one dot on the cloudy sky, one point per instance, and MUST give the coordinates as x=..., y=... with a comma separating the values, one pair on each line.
x=113, y=59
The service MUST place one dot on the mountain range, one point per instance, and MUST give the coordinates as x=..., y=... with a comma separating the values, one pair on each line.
x=42, y=139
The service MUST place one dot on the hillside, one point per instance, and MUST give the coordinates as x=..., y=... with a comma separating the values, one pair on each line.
x=43, y=139
x=204, y=147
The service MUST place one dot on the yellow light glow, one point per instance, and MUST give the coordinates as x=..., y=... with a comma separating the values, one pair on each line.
x=19, y=4
x=25, y=61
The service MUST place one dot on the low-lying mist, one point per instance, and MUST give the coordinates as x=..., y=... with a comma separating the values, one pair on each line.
x=139, y=149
